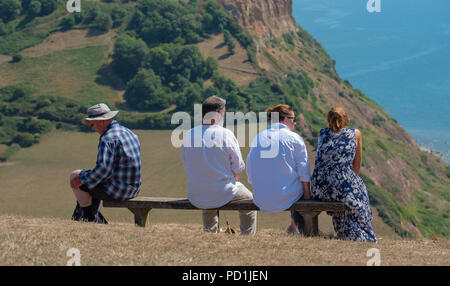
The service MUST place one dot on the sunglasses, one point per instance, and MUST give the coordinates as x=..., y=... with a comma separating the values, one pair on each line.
x=291, y=117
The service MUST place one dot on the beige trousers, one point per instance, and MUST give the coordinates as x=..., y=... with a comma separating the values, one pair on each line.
x=247, y=218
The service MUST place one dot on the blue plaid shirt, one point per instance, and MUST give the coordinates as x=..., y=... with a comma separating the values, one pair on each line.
x=118, y=164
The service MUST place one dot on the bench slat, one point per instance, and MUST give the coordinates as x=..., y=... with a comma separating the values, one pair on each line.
x=183, y=203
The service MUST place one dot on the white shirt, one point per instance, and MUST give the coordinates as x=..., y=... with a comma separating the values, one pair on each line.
x=277, y=179
x=211, y=163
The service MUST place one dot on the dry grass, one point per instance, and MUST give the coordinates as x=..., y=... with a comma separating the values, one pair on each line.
x=72, y=39
x=236, y=66
x=32, y=241
x=5, y=58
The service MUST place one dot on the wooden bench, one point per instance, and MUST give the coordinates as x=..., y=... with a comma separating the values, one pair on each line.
x=309, y=210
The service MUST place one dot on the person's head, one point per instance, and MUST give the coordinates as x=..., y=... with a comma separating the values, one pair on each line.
x=286, y=115
x=99, y=117
x=337, y=119
x=213, y=110
x=100, y=125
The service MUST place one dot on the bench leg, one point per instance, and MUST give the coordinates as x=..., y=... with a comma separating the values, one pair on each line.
x=311, y=223
x=140, y=216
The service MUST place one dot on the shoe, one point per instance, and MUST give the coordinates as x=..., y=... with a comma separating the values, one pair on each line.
x=88, y=214
x=293, y=231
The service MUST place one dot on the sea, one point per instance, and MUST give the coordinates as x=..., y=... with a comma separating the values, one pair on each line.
x=398, y=55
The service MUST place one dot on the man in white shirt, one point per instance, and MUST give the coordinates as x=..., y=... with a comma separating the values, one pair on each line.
x=213, y=163
x=283, y=177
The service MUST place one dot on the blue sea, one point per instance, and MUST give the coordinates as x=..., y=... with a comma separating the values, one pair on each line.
x=399, y=57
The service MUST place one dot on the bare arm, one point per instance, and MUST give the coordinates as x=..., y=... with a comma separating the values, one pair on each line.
x=306, y=191
x=358, y=156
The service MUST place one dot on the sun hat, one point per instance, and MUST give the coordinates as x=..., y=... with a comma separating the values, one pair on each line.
x=99, y=111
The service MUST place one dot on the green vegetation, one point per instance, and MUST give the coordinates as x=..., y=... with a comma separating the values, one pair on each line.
x=156, y=60
x=28, y=117
x=313, y=51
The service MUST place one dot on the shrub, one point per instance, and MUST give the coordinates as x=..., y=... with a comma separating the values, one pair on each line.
x=381, y=145
x=3, y=28
x=68, y=22
x=35, y=8
x=117, y=15
x=90, y=13
x=16, y=58
x=18, y=93
x=102, y=22
x=211, y=65
x=378, y=120
x=24, y=139
x=14, y=148
x=33, y=125
x=10, y=9
x=48, y=6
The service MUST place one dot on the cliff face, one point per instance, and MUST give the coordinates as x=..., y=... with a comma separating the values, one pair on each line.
x=265, y=19
x=408, y=187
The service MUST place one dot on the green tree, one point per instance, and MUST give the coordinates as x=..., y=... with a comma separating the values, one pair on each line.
x=35, y=8
x=220, y=18
x=3, y=28
x=190, y=96
x=24, y=139
x=190, y=63
x=91, y=13
x=211, y=65
x=160, y=61
x=117, y=15
x=68, y=21
x=129, y=55
x=33, y=125
x=103, y=22
x=17, y=57
x=228, y=40
x=10, y=9
x=48, y=6
x=145, y=92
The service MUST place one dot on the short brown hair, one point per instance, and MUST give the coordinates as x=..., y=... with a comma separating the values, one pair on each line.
x=283, y=110
x=212, y=104
x=337, y=118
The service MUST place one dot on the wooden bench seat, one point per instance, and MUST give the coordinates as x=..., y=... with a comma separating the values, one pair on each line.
x=141, y=206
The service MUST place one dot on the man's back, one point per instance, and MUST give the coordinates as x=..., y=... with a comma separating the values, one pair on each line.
x=118, y=163
x=277, y=179
x=211, y=157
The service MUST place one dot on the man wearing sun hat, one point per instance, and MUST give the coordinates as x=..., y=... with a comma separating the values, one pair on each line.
x=117, y=173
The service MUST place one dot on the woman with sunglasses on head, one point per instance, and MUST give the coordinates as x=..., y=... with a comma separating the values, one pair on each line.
x=336, y=177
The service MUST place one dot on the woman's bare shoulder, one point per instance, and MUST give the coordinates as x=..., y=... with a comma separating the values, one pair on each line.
x=358, y=134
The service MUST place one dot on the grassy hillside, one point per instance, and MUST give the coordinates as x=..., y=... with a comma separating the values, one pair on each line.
x=32, y=241
x=143, y=58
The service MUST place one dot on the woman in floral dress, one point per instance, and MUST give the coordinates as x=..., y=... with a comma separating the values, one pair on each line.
x=336, y=177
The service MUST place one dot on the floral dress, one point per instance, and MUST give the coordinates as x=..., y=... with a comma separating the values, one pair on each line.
x=334, y=180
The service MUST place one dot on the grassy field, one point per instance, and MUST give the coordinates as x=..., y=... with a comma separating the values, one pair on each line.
x=38, y=241
x=36, y=182
x=68, y=73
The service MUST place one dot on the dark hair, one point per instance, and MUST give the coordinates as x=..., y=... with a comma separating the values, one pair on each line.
x=283, y=110
x=212, y=104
